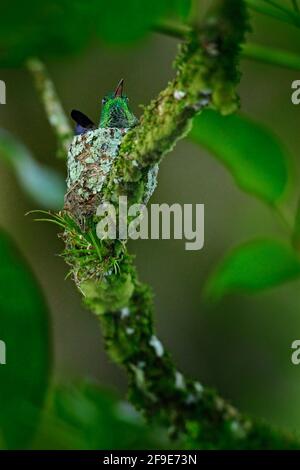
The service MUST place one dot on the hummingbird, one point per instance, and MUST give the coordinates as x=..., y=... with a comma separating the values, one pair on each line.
x=92, y=152
x=115, y=113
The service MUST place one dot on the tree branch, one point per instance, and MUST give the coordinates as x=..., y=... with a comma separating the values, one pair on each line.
x=274, y=10
x=272, y=56
x=260, y=53
x=54, y=110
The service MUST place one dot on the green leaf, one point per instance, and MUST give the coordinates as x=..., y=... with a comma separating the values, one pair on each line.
x=252, y=267
x=43, y=184
x=45, y=29
x=121, y=22
x=62, y=27
x=252, y=154
x=25, y=332
x=82, y=416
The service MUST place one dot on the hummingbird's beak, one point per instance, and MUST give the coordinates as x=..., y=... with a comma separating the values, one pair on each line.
x=119, y=89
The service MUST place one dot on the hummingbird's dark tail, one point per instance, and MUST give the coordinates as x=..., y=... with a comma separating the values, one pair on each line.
x=83, y=123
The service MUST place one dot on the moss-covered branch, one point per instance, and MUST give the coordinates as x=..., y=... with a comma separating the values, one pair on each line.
x=104, y=272
x=54, y=110
x=206, y=75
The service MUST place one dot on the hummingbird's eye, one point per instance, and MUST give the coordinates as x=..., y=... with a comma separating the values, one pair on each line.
x=104, y=100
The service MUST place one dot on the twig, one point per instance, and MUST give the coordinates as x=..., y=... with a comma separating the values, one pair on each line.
x=52, y=105
x=272, y=56
x=272, y=9
x=294, y=15
x=176, y=30
x=260, y=53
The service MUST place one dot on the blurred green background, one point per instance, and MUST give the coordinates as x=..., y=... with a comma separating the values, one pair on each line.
x=241, y=346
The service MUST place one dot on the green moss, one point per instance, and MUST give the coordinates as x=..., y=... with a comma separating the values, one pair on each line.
x=109, y=295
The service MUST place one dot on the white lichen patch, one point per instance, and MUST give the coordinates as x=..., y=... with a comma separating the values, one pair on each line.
x=179, y=94
x=108, y=273
x=127, y=412
x=204, y=102
x=125, y=312
x=237, y=429
x=179, y=381
x=151, y=183
x=206, y=91
x=219, y=403
x=231, y=412
x=140, y=380
x=157, y=346
x=199, y=388
x=190, y=399
x=139, y=376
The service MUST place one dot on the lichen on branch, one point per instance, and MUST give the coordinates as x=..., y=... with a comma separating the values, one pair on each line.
x=104, y=272
x=52, y=105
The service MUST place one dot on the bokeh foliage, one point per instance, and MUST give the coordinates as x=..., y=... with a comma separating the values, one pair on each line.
x=25, y=330
x=254, y=156
x=43, y=184
x=254, y=266
x=82, y=416
x=63, y=27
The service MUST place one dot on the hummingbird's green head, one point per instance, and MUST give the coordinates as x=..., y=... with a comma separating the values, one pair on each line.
x=115, y=111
